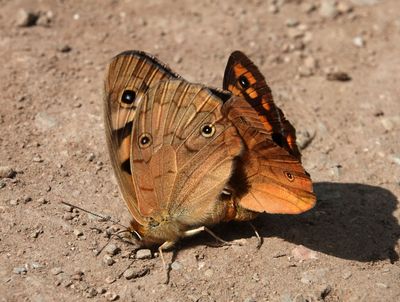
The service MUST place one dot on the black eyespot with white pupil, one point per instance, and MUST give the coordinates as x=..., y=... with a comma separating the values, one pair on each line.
x=244, y=82
x=145, y=140
x=128, y=97
x=207, y=130
x=289, y=176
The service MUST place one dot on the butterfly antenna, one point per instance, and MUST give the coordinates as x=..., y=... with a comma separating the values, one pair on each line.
x=97, y=215
x=109, y=240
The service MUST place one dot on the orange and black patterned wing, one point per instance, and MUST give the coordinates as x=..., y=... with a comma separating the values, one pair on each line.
x=244, y=79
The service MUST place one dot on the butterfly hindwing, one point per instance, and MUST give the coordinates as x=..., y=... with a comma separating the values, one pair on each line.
x=268, y=178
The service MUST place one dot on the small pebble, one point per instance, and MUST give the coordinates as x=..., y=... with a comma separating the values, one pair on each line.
x=304, y=138
x=26, y=18
x=111, y=296
x=110, y=280
x=143, y=254
x=77, y=276
x=346, y=275
x=20, y=270
x=324, y=291
x=292, y=22
x=14, y=202
x=176, y=265
x=328, y=9
x=90, y=157
x=78, y=232
x=37, y=159
x=65, y=48
x=314, y=276
x=381, y=285
x=101, y=290
x=338, y=76
x=92, y=292
x=2, y=184
x=66, y=283
x=112, y=249
x=36, y=265
x=344, y=7
x=301, y=253
x=45, y=18
x=42, y=200
x=36, y=233
x=359, y=41
x=7, y=172
x=209, y=273
x=273, y=9
x=56, y=270
x=68, y=216
x=131, y=273
x=107, y=259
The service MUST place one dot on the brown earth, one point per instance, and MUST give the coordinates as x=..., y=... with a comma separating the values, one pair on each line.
x=345, y=249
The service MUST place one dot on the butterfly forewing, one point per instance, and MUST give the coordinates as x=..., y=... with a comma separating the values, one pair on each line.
x=243, y=78
x=128, y=78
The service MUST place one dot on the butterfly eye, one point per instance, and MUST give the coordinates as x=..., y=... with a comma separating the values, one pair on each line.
x=244, y=82
x=128, y=97
x=145, y=140
x=207, y=130
x=289, y=176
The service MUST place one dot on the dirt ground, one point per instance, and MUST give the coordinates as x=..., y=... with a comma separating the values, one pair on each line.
x=334, y=68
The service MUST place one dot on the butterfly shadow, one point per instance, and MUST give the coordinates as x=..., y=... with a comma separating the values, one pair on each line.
x=350, y=221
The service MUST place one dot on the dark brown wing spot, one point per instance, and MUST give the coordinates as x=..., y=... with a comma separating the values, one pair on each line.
x=244, y=82
x=223, y=95
x=126, y=166
x=124, y=131
x=289, y=176
x=278, y=139
x=128, y=97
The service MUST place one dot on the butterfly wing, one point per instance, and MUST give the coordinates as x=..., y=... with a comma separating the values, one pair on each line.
x=180, y=171
x=267, y=177
x=129, y=76
x=275, y=181
x=244, y=79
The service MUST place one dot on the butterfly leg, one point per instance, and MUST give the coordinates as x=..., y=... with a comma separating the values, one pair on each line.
x=259, y=238
x=205, y=229
x=166, y=245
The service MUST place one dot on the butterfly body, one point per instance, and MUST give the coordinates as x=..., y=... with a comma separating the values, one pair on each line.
x=187, y=156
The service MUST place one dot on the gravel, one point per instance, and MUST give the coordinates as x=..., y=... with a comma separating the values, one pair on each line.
x=143, y=254
x=7, y=172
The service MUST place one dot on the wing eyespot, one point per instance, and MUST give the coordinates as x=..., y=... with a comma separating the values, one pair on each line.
x=207, y=130
x=128, y=97
x=145, y=140
x=290, y=177
x=244, y=82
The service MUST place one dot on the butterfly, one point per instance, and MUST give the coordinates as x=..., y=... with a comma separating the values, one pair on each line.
x=187, y=156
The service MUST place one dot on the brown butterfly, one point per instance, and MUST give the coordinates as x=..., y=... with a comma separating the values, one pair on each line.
x=187, y=156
